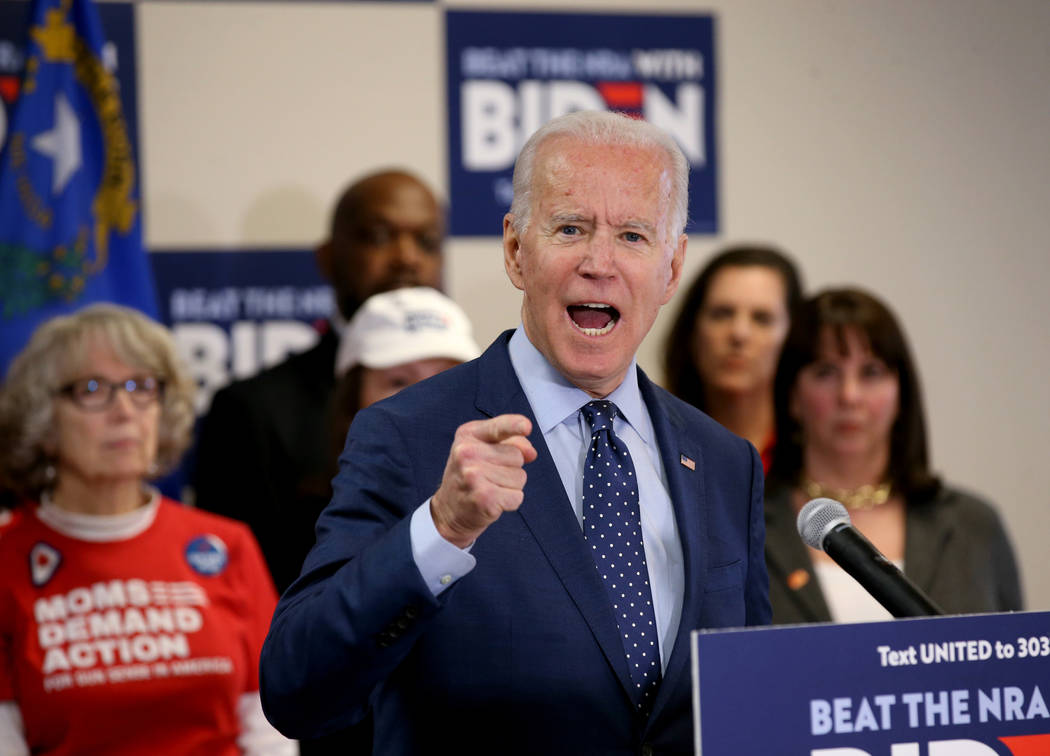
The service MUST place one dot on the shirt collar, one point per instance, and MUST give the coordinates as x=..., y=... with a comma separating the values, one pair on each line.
x=554, y=399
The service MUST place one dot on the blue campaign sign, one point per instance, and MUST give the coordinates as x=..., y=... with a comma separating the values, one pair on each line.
x=509, y=73
x=974, y=685
x=236, y=312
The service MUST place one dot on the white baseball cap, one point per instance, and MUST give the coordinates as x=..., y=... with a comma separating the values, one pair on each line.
x=405, y=325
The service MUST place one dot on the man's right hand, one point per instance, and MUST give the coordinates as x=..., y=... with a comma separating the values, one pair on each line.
x=484, y=477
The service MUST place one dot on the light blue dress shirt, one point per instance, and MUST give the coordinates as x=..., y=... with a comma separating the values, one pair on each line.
x=556, y=405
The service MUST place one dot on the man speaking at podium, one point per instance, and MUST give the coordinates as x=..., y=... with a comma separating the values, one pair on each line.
x=517, y=549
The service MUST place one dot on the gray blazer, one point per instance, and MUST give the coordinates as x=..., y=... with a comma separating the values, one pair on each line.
x=956, y=550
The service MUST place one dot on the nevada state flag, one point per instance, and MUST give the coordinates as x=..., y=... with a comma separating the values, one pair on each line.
x=70, y=219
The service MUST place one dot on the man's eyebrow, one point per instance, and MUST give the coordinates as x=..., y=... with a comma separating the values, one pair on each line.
x=568, y=218
x=639, y=224
x=631, y=224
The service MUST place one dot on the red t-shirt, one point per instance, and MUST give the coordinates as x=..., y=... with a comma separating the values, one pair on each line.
x=141, y=645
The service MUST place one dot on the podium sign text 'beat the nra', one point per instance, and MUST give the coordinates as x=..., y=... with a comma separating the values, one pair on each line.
x=976, y=685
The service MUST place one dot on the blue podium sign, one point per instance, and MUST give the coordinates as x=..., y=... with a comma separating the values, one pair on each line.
x=975, y=685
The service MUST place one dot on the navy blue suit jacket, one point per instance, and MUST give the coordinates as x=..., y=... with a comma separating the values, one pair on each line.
x=522, y=655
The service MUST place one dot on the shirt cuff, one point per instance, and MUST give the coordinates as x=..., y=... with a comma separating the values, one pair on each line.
x=438, y=561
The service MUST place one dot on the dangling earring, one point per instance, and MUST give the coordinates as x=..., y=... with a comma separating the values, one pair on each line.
x=152, y=469
x=50, y=473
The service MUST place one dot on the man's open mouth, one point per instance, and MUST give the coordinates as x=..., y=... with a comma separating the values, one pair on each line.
x=594, y=319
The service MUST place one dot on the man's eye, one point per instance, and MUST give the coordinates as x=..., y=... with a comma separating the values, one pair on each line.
x=376, y=236
x=429, y=242
x=569, y=230
x=633, y=237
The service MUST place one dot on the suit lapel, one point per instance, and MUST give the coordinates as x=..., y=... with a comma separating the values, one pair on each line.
x=548, y=514
x=786, y=558
x=685, y=485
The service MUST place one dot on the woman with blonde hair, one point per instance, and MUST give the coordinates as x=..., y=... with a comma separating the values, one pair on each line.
x=128, y=623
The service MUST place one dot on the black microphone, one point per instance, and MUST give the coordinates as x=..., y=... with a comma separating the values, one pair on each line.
x=824, y=524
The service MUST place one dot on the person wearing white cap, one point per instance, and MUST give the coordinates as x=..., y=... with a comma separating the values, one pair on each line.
x=395, y=339
x=262, y=447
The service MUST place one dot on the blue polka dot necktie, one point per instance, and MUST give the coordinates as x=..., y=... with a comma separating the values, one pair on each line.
x=613, y=529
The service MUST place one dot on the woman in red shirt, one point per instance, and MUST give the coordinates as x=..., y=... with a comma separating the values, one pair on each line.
x=128, y=623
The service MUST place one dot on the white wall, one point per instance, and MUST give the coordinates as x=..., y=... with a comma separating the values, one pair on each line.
x=899, y=145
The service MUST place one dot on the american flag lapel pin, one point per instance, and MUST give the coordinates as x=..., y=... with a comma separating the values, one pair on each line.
x=686, y=462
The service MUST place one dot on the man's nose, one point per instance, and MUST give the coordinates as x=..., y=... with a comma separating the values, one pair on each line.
x=406, y=250
x=598, y=257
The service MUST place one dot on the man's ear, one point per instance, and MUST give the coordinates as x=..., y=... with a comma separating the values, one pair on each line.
x=512, y=252
x=677, y=261
x=323, y=257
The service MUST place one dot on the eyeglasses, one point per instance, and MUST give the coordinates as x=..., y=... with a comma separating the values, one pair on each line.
x=98, y=393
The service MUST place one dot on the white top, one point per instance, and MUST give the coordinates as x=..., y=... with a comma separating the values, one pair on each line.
x=99, y=528
x=846, y=598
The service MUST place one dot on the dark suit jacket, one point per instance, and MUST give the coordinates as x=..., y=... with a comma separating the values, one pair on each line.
x=263, y=455
x=522, y=655
x=956, y=551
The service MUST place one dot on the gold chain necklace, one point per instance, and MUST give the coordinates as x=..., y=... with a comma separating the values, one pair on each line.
x=862, y=498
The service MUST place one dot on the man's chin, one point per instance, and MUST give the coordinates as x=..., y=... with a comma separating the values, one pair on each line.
x=593, y=374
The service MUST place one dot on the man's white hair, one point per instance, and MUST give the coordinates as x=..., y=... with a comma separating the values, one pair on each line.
x=600, y=127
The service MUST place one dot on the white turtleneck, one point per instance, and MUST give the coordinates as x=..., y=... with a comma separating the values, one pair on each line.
x=99, y=528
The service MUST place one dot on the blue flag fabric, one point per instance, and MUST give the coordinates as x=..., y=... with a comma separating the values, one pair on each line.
x=70, y=219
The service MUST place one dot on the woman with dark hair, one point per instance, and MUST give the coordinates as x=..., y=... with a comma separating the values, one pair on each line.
x=851, y=424
x=721, y=354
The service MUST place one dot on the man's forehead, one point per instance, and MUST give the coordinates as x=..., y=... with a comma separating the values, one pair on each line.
x=567, y=168
x=401, y=207
x=565, y=158
x=384, y=195
x=571, y=152
x=395, y=213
